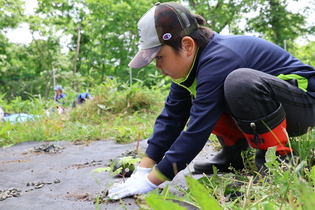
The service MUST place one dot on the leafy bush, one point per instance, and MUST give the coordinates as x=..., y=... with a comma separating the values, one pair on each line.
x=119, y=112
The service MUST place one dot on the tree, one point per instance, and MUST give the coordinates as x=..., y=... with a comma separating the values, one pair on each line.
x=276, y=24
x=306, y=53
x=11, y=12
x=103, y=38
x=10, y=16
x=222, y=14
x=111, y=27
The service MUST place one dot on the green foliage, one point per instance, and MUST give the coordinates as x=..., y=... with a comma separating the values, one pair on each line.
x=33, y=105
x=129, y=109
x=304, y=148
x=197, y=197
x=101, y=40
x=221, y=14
x=306, y=195
x=156, y=202
x=288, y=186
x=28, y=69
x=120, y=167
x=277, y=24
x=128, y=161
x=124, y=162
x=120, y=112
x=11, y=15
x=201, y=194
x=305, y=53
x=4, y=134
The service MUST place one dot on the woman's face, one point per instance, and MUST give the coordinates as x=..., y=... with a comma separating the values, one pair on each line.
x=176, y=64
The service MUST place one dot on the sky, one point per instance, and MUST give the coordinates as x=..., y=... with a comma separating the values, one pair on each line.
x=22, y=34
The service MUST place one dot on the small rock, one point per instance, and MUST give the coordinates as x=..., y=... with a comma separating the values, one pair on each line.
x=2, y=197
x=39, y=186
x=9, y=193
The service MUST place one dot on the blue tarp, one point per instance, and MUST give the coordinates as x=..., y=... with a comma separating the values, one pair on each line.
x=20, y=117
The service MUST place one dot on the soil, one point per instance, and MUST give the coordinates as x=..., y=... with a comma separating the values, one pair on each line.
x=58, y=175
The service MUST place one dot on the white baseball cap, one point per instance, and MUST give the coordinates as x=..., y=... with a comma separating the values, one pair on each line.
x=58, y=87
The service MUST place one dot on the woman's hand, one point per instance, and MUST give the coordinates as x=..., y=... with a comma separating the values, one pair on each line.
x=138, y=183
x=143, y=180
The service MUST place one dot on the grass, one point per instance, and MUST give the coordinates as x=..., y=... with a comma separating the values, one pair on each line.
x=289, y=186
x=117, y=112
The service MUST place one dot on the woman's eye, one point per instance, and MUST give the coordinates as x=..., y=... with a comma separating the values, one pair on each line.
x=158, y=57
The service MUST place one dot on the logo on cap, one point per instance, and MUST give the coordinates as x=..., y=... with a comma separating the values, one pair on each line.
x=167, y=36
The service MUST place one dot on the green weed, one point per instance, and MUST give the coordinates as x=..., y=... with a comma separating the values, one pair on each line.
x=119, y=112
x=289, y=185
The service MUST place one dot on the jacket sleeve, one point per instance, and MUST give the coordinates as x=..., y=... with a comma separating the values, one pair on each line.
x=203, y=117
x=172, y=146
x=170, y=122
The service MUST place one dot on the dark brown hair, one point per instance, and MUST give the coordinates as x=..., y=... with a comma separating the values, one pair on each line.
x=201, y=36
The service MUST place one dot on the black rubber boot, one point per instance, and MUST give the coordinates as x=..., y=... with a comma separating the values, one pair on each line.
x=228, y=156
x=232, y=191
x=260, y=160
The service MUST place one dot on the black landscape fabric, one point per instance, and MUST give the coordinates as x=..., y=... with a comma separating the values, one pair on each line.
x=57, y=175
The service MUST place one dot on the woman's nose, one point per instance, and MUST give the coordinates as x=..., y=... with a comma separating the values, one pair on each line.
x=157, y=65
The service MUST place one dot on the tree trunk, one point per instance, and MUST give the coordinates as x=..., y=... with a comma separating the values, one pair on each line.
x=75, y=84
x=44, y=64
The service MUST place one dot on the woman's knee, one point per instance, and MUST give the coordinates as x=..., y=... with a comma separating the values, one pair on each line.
x=238, y=81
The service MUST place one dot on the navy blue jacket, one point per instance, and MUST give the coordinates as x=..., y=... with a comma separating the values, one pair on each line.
x=170, y=143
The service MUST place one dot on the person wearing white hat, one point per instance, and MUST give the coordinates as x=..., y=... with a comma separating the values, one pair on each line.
x=58, y=94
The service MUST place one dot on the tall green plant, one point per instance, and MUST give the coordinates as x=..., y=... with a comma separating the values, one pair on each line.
x=277, y=24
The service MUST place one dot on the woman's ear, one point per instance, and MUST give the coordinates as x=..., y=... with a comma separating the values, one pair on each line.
x=189, y=45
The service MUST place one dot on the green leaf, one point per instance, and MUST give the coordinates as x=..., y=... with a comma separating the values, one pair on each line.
x=312, y=174
x=129, y=160
x=101, y=106
x=5, y=129
x=271, y=154
x=98, y=170
x=156, y=203
x=202, y=196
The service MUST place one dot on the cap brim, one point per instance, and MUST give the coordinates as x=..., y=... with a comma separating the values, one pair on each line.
x=144, y=57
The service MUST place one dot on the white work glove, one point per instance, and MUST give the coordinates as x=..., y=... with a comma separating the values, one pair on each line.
x=138, y=183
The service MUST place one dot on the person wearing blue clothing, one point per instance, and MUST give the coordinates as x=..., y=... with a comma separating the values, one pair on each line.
x=247, y=91
x=58, y=94
x=82, y=97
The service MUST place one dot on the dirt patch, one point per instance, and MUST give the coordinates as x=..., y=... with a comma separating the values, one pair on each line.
x=15, y=161
x=80, y=196
x=88, y=164
x=47, y=148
